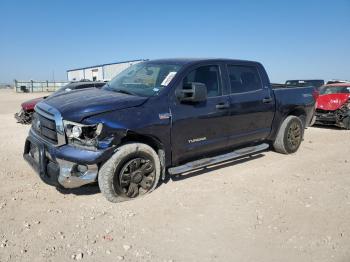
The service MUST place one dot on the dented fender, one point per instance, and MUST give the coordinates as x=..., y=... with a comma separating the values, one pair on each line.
x=111, y=139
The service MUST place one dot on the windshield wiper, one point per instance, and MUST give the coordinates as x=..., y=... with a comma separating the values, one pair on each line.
x=124, y=92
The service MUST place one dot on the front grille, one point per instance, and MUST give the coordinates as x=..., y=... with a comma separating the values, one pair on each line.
x=325, y=113
x=48, y=124
x=45, y=127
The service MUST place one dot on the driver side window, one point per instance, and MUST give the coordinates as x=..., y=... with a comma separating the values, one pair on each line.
x=208, y=75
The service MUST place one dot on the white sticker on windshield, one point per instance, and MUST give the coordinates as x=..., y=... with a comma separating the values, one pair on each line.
x=168, y=78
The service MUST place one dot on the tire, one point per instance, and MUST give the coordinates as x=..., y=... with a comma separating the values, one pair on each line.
x=128, y=173
x=289, y=136
x=313, y=120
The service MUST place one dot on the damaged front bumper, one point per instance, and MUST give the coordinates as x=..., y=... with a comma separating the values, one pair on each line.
x=24, y=117
x=66, y=166
x=325, y=117
x=72, y=175
x=339, y=117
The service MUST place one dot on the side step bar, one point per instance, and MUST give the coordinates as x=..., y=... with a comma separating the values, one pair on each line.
x=217, y=159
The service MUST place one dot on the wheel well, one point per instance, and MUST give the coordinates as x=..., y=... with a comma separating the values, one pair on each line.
x=152, y=142
x=148, y=140
x=299, y=113
x=132, y=137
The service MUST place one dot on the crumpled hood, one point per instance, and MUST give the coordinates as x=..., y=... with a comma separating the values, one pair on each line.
x=30, y=104
x=332, y=101
x=79, y=104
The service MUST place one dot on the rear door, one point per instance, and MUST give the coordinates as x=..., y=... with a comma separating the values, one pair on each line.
x=252, y=104
x=200, y=128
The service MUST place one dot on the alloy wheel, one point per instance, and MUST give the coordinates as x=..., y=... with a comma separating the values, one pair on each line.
x=136, y=177
x=294, y=135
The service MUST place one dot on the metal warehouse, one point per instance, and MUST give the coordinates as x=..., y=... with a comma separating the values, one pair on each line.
x=104, y=72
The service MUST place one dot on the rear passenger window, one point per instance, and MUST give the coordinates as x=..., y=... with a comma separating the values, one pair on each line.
x=244, y=78
x=208, y=75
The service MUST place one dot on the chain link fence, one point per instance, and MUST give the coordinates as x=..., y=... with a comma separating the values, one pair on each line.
x=38, y=86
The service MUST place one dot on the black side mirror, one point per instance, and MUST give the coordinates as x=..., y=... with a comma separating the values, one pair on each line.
x=192, y=92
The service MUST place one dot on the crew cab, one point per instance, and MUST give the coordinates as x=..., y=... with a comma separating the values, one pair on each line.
x=333, y=105
x=160, y=118
x=24, y=116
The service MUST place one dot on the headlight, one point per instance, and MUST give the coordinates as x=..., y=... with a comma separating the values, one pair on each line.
x=82, y=133
x=346, y=106
x=76, y=131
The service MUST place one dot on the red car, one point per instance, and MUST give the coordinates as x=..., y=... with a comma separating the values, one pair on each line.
x=27, y=108
x=333, y=105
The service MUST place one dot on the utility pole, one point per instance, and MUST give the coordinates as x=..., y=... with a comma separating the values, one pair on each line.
x=53, y=80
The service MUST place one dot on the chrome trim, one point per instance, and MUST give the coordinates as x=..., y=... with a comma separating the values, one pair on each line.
x=68, y=179
x=164, y=116
x=52, y=113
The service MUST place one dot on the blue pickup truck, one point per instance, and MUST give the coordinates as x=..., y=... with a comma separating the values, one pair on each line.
x=160, y=118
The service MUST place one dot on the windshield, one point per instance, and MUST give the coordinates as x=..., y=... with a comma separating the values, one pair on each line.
x=143, y=79
x=326, y=90
x=305, y=83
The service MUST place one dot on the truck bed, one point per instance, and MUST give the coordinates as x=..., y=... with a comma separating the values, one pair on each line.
x=299, y=98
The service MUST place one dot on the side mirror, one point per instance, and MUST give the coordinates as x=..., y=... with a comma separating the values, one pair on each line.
x=192, y=92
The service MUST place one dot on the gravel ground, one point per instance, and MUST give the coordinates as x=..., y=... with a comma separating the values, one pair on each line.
x=271, y=207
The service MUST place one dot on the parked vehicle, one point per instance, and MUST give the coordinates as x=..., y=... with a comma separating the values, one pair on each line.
x=173, y=115
x=305, y=83
x=337, y=81
x=277, y=85
x=333, y=105
x=24, y=116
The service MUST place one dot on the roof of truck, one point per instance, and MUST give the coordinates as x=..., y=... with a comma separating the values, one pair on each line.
x=183, y=61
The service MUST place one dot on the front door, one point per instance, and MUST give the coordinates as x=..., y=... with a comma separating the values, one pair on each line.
x=200, y=128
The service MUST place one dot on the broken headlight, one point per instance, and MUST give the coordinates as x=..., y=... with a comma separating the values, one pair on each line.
x=80, y=134
x=348, y=105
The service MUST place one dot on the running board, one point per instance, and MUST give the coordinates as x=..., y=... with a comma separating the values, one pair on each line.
x=217, y=159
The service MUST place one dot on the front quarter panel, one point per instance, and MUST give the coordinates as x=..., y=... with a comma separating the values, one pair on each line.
x=144, y=120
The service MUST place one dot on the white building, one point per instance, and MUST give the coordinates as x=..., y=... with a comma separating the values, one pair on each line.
x=104, y=72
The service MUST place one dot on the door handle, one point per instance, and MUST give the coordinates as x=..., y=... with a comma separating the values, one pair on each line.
x=267, y=100
x=222, y=106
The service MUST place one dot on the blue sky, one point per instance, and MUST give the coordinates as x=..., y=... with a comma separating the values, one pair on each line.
x=293, y=39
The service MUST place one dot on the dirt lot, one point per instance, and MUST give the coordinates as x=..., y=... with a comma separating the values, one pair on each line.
x=269, y=208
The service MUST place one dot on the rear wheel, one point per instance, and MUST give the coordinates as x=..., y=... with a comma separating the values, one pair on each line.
x=289, y=136
x=132, y=172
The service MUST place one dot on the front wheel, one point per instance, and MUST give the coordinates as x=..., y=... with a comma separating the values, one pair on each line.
x=133, y=171
x=289, y=136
